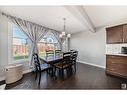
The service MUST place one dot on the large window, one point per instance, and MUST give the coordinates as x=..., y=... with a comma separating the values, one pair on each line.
x=19, y=44
x=48, y=42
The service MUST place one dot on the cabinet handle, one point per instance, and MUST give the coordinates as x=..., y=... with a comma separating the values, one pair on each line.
x=118, y=63
x=123, y=39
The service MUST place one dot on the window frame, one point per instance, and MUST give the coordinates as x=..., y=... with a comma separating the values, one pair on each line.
x=10, y=46
x=50, y=36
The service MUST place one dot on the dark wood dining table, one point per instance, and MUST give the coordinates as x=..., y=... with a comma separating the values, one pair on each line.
x=51, y=59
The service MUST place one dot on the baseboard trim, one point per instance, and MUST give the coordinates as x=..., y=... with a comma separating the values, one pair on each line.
x=91, y=64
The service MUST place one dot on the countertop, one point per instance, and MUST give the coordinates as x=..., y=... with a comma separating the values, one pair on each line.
x=117, y=54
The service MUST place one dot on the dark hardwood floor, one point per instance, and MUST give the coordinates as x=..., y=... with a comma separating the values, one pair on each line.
x=86, y=77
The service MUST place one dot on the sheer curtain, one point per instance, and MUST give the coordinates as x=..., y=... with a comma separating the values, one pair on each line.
x=34, y=32
x=56, y=34
x=64, y=46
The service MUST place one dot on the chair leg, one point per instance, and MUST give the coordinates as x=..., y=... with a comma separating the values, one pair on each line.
x=62, y=73
x=39, y=78
x=70, y=68
x=54, y=73
x=69, y=71
x=75, y=67
x=51, y=71
x=47, y=71
x=36, y=75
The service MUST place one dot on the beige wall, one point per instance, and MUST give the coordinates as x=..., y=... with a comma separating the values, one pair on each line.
x=91, y=46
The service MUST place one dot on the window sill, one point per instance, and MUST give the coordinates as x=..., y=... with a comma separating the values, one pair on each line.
x=20, y=61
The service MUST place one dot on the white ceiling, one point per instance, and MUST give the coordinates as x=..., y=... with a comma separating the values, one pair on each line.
x=51, y=16
x=107, y=15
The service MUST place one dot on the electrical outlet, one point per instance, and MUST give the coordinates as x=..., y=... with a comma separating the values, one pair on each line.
x=124, y=86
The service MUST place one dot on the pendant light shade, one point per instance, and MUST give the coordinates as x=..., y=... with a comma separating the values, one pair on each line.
x=63, y=33
x=68, y=35
x=60, y=35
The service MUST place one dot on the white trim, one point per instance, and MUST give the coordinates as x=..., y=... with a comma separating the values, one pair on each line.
x=10, y=42
x=27, y=71
x=24, y=72
x=92, y=64
x=20, y=61
x=10, y=33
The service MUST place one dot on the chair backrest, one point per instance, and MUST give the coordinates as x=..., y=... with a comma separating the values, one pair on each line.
x=67, y=58
x=72, y=50
x=58, y=52
x=49, y=53
x=36, y=61
x=74, y=55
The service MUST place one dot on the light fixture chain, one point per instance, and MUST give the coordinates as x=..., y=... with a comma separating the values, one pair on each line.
x=64, y=24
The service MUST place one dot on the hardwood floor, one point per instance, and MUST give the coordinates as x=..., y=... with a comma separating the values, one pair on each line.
x=86, y=77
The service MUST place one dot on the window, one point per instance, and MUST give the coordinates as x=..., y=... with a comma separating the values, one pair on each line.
x=48, y=42
x=19, y=44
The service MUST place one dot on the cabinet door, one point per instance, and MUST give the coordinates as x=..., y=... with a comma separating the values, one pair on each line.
x=115, y=34
x=117, y=65
x=125, y=33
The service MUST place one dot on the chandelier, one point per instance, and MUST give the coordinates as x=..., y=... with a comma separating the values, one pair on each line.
x=63, y=35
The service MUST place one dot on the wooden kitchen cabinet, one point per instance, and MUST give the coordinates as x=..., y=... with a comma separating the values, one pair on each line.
x=116, y=65
x=125, y=33
x=115, y=34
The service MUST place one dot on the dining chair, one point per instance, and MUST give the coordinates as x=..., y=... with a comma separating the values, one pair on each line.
x=74, y=55
x=64, y=64
x=72, y=50
x=39, y=67
x=58, y=52
x=49, y=53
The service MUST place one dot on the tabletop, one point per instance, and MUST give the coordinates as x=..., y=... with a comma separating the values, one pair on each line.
x=51, y=59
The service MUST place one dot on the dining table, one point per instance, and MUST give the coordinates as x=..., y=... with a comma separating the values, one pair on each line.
x=52, y=59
